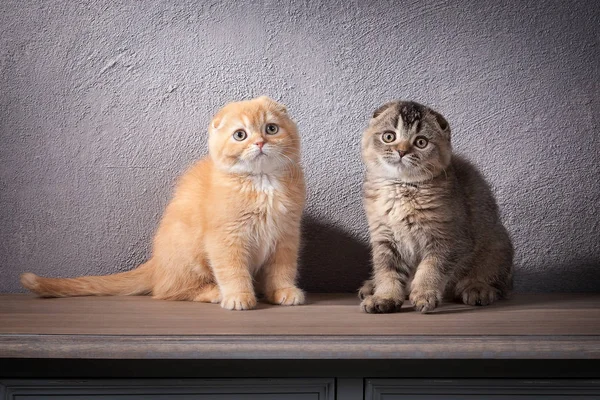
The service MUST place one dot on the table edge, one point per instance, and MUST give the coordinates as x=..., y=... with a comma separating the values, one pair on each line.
x=298, y=347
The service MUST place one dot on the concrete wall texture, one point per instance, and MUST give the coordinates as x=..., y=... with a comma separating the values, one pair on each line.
x=104, y=103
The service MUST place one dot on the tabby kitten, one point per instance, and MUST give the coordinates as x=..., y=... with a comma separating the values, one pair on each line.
x=235, y=216
x=433, y=221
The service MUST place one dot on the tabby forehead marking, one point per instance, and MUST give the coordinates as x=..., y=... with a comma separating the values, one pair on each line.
x=411, y=112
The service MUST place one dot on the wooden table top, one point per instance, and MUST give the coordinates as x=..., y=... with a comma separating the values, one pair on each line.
x=329, y=326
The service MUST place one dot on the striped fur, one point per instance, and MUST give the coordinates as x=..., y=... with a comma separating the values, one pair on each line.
x=434, y=224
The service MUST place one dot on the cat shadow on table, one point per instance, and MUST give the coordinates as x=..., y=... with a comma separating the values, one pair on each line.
x=331, y=259
x=575, y=275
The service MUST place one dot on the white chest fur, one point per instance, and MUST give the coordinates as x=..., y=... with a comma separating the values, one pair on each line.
x=266, y=224
x=265, y=183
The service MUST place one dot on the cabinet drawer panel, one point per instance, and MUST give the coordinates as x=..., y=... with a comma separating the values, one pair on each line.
x=479, y=389
x=204, y=396
x=208, y=389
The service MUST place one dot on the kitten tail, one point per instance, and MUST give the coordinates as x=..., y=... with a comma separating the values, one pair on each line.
x=130, y=283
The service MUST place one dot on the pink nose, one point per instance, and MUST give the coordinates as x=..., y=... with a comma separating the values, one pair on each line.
x=260, y=144
x=402, y=153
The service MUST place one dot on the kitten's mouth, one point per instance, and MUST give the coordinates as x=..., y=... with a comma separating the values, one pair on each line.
x=258, y=156
x=396, y=161
x=402, y=162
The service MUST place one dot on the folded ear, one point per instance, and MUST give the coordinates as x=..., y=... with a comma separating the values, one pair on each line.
x=441, y=121
x=273, y=104
x=384, y=107
x=216, y=121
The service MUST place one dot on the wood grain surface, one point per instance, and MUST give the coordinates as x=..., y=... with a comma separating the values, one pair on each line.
x=325, y=314
x=329, y=326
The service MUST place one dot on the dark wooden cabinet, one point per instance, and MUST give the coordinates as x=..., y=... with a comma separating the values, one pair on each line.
x=206, y=389
x=299, y=389
x=481, y=389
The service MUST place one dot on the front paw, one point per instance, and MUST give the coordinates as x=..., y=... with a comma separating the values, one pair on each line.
x=291, y=296
x=378, y=305
x=425, y=300
x=239, y=301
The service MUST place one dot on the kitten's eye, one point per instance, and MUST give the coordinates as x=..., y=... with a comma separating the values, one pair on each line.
x=421, y=142
x=388, y=137
x=240, y=135
x=271, y=129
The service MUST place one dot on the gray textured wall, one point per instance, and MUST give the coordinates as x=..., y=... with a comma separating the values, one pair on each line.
x=103, y=104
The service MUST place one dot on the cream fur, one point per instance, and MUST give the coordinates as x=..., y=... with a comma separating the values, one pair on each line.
x=234, y=218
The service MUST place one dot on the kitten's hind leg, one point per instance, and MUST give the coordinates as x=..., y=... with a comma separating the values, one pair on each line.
x=490, y=277
x=182, y=278
x=367, y=289
x=209, y=291
x=183, y=287
x=475, y=293
x=209, y=294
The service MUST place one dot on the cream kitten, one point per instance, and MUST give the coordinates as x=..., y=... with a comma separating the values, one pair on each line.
x=234, y=217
